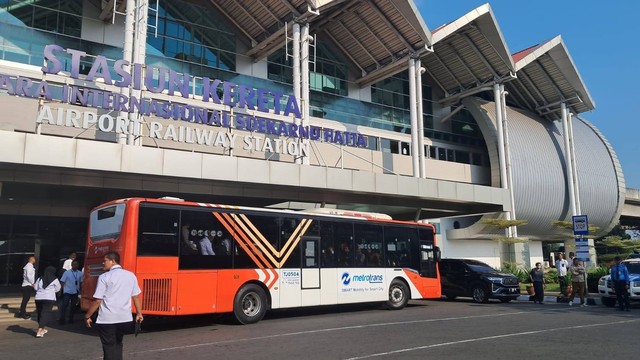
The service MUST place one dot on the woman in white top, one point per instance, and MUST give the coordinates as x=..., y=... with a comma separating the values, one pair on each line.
x=46, y=288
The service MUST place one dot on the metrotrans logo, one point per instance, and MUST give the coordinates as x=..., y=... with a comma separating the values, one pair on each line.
x=361, y=278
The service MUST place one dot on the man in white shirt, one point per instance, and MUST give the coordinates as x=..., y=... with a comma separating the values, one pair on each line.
x=28, y=280
x=561, y=266
x=114, y=291
x=67, y=263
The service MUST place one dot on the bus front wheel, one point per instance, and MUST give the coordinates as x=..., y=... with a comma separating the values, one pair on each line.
x=398, y=295
x=250, y=304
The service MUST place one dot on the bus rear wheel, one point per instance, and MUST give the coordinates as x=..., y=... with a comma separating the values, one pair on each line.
x=398, y=295
x=250, y=304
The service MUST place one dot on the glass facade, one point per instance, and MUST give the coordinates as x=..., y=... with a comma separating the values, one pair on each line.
x=194, y=35
x=27, y=26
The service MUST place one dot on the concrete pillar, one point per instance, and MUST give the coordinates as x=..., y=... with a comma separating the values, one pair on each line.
x=414, y=117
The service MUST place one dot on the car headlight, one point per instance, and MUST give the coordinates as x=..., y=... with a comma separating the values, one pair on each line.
x=602, y=281
x=635, y=284
x=497, y=280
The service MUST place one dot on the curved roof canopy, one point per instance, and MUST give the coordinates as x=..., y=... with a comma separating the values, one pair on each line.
x=377, y=36
x=469, y=55
x=547, y=76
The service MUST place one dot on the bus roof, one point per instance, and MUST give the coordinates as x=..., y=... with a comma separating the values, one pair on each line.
x=321, y=212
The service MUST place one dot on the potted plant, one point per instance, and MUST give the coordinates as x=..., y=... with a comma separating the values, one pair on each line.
x=567, y=290
x=530, y=290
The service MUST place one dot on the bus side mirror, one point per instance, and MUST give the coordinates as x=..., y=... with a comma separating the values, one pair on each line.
x=437, y=254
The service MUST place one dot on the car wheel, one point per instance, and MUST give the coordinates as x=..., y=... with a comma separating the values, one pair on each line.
x=608, y=302
x=451, y=297
x=398, y=295
x=250, y=304
x=505, y=300
x=480, y=294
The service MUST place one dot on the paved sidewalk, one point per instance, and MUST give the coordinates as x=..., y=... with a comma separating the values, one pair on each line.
x=553, y=297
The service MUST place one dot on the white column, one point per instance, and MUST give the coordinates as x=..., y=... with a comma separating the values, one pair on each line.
x=139, y=56
x=420, y=118
x=296, y=63
x=507, y=157
x=502, y=164
x=127, y=54
x=305, y=38
x=568, y=158
x=296, y=74
x=574, y=166
x=414, y=117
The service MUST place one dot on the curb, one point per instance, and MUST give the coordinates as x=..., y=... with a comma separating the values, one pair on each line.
x=560, y=299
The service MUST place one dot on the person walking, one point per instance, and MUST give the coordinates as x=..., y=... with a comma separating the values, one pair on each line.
x=67, y=263
x=537, y=278
x=71, y=283
x=620, y=279
x=561, y=267
x=46, y=288
x=577, y=282
x=114, y=291
x=28, y=283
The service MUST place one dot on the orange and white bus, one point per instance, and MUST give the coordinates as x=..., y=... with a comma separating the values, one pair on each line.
x=197, y=258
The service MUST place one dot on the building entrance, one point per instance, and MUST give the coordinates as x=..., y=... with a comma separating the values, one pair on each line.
x=49, y=239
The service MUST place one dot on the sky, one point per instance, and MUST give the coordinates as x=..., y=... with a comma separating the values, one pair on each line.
x=603, y=39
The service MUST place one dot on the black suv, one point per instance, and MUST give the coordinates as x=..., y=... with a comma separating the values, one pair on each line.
x=465, y=277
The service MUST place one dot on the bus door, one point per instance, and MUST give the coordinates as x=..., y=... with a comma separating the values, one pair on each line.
x=310, y=262
x=310, y=271
x=428, y=259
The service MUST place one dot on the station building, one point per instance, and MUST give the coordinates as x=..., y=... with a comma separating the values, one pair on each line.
x=292, y=104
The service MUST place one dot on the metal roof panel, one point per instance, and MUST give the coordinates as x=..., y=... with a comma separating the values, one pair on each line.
x=548, y=70
x=473, y=49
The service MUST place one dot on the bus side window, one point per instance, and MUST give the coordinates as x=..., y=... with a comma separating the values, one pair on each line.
x=158, y=232
x=399, y=244
x=336, y=243
x=368, y=244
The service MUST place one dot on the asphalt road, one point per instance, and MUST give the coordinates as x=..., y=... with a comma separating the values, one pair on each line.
x=424, y=330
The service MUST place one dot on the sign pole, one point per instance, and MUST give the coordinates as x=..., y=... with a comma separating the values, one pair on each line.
x=580, y=229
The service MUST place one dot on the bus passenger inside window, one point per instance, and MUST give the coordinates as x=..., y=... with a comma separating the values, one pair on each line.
x=189, y=244
x=206, y=246
x=345, y=256
x=360, y=256
x=223, y=244
x=328, y=257
x=375, y=258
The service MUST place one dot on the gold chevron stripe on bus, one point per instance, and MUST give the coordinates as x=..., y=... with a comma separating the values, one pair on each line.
x=248, y=239
x=289, y=246
x=256, y=236
x=240, y=237
x=266, y=242
x=244, y=227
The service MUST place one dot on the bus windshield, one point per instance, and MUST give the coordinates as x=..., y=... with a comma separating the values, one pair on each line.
x=106, y=223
